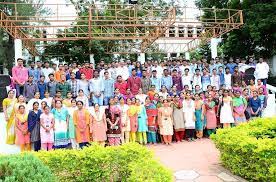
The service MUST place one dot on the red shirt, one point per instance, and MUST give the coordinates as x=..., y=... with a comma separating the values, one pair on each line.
x=121, y=86
x=134, y=83
x=88, y=72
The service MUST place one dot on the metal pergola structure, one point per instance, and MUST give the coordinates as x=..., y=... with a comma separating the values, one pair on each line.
x=134, y=28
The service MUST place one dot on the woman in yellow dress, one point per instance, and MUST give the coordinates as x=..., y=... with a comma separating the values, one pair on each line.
x=8, y=108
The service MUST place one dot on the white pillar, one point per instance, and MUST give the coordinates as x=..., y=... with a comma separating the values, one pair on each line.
x=142, y=58
x=214, y=47
x=17, y=49
x=92, y=60
x=187, y=55
x=37, y=58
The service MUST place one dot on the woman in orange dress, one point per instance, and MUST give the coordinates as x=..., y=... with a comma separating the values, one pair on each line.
x=22, y=133
x=81, y=118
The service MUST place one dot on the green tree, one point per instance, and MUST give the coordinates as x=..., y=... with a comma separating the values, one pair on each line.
x=258, y=34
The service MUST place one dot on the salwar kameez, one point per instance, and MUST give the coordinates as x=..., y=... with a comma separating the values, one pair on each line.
x=189, y=115
x=133, y=117
x=142, y=124
x=72, y=130
x=61, y=128
x=152, y=126
x=9, y=105
x=113, y=117
x=98, y=127
x=198, y=123
x=178, y=121
x=81, y=120
x=210, y=117
x=125, y=123
x=34, y=128
x=239, y=108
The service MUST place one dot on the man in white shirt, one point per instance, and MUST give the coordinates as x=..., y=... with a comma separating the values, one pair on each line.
x=261, y=71
x=96, y=87
x=215, y=80
x=46, y=71
x=122, y=70
x=227, y=78
x=186, y=79
x=159, y=69
x=197, y=79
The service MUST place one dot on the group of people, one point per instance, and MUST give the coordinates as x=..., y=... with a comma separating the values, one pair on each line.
x=113, y=103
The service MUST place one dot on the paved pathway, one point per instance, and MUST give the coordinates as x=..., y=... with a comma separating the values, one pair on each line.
x=194, y=162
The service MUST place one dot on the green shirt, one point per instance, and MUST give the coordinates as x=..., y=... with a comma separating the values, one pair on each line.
x=64, y=88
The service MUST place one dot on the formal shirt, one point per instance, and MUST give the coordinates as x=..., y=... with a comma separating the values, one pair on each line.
x=42, y=87
x=231, y=67
x=74, y=86
x=236, y=78
x=156, y=82
x=262, y=70
x=64, y=87
x=167, y=81
x=46, y=72
x=197, y=81
x=134, y=83
x=159, y=71
x=35, y=73
x=121, y=86
x=177, y=80
x=29, y=90
x=186, y=80
x=84, y=85
x=88, y=72
x=146, y=84
x=20, y=74
x=108, y=87
x=227, y=80
x=215, y=81
x=221, y=78
x=52, y=88
x=96, y=86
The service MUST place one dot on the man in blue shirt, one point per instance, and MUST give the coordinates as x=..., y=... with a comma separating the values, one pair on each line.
x=155, y=81
x=167, y=79
x=34, y=72
x=42, y=86
x=231, y=65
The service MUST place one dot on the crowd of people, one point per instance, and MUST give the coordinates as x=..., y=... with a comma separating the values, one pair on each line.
x=68, y=106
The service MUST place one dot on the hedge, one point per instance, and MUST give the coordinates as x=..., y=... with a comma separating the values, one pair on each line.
x=25, y=167
x=129, y=162
x=249, y=150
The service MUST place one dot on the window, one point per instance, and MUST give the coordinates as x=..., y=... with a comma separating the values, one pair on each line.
x=181, y=31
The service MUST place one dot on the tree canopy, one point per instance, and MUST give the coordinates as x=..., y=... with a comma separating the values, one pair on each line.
x=257, y=37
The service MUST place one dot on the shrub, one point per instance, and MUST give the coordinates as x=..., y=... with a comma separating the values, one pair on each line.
x=129, y=162
x=249, y=150
x=25, y=167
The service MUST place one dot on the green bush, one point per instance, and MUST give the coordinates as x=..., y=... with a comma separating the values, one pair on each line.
x=249, y=150
x=24, y=168
x=129, y=162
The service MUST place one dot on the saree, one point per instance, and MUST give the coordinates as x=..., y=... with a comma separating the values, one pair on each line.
x=9, y=104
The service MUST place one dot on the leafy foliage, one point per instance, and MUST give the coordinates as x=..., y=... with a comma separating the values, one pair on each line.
x=249, y=150
x=26, y=167
x=129, y=162
x=257, y=36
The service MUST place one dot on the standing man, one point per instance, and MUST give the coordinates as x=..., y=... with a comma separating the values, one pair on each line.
x=52, y=85
x=108, y=91
x=74, y=84
x=42, y=86
x=146, y=82
x=231, y=65
x=156, y=81
x=30, y=88
x=34, y=72
x=215, y=79
x=19, y=76
x=59, y=73
x=236, y=77
x=46, y=71
x=96, y=88
x=87, y=71
x=261, y=71
x=134, y=82
x=63, y=86
x=186, y=79
x=167, y=80
x=177, y=81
